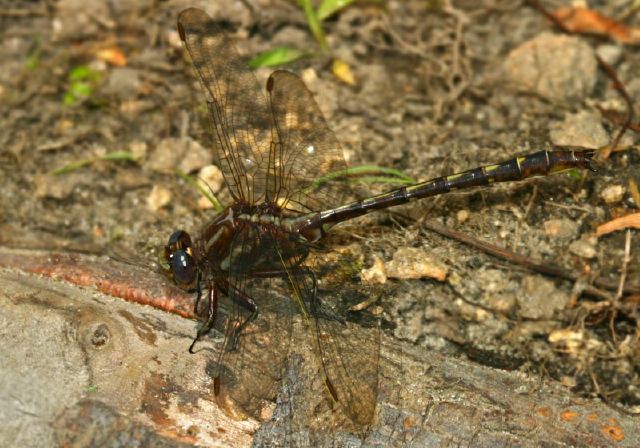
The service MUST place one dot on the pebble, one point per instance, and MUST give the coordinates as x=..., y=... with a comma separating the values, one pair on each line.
x=462, y=216
x=414, y=263
x=583, y=129
x=613, y=194
x=139, y=150
x=123, y=83
x=555, y=66
x=610, y=53
x=584, y=247
x=57, y=187
x=377, y=273
x=210, y=178
x=158, y=198
x=184, y=154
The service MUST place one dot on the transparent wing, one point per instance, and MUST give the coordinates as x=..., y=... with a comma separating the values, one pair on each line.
x=238, y=113
x=347, y=343
x=278, y=150
x=305, y=150
x=252, y=358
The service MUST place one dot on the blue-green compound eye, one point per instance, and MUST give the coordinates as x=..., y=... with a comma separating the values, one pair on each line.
x=183, y=268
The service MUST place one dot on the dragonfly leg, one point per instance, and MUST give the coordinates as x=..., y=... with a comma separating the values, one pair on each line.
x=198, y=294
x=211, y=314
x=245, y=302
x=315, y=304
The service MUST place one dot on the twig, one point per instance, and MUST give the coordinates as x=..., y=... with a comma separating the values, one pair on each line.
x=542, y=267
x=615, y=306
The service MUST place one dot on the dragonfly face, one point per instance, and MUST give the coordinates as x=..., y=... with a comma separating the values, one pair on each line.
x=178, y=254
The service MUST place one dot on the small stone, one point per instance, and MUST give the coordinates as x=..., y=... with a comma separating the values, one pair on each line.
x=583, y=129
x=613, y=194
x=184, y=154
x=609, y=53
x=414, y=263
x=568, y=381
x=309, y=76
x=210, y=178
x=376, y=273
x=138, y=149
x=583, y=248
x=124, y=83
x=561, y=228
x=557, y=67
x=57, y=187
x=540, y=299
x=462, y=216
x=158, y=198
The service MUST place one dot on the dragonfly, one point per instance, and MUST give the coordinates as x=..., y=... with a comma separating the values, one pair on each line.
x=259, y=260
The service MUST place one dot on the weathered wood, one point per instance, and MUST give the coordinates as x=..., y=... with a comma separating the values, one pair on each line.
x=61, y=345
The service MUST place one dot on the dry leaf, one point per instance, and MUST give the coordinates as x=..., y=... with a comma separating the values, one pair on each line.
x=624, y=222
x=587, y=21
x=113, y=56
x=342, y=71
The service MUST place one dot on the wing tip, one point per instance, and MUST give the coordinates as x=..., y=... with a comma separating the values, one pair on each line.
x=189, y=17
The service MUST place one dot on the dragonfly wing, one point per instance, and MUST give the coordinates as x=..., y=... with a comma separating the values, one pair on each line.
x=238, y=113
x=347, y=343
x=252, y=358
x=304, y=149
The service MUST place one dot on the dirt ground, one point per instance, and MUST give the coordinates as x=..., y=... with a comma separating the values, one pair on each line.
x=437, y=90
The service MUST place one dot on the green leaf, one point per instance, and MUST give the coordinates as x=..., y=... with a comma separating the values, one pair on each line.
x=33, y=59
x=364, y=173
x=329, y=7
x=314, y=23
x=276, y=56
x=114, y=155
x=574, y=174
x=79, y=73
x=71, y=167
x=80, y=89
x=68, y=99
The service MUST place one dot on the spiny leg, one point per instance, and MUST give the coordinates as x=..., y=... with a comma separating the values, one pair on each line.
x=212, y=312
x=247, y=303
x=198, y=294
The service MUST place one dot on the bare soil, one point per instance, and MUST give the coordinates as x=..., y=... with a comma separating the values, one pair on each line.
x=431, y=98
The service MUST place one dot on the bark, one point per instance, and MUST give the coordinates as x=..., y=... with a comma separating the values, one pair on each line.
x=83, y=368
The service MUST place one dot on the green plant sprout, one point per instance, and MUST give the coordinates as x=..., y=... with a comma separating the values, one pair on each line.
x=217, y=206
x=111, y=156
x=82, y=82
x=315, y=17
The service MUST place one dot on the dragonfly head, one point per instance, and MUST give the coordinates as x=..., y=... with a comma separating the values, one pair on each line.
x=179, y=261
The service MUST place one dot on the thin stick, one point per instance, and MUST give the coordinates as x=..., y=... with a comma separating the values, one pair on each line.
x=540, y=266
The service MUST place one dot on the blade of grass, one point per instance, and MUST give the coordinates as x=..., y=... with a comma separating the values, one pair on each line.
x=276, y=56
x=314, y=24
x=111, y=156
x=381, y=180
x=68, y=168
x=367, y=174
x=217, y=206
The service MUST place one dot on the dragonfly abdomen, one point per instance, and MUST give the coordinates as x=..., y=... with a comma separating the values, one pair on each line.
x=540, y=163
